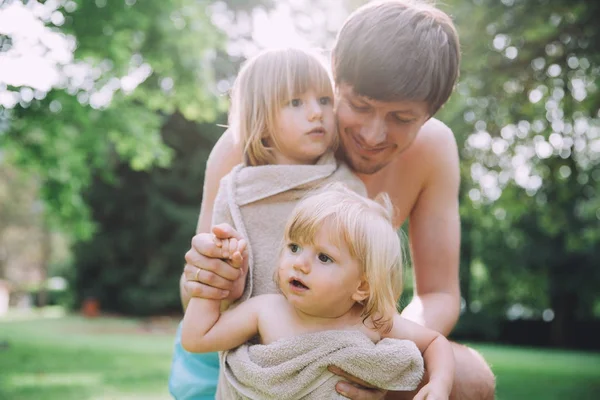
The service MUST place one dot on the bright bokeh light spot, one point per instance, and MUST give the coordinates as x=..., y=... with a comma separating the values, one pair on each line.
x=548, y=315
x=276, y=28
x=501, y=41
x=535, y=96
x=543, y=149
x=554, y=70
x=511, y=53
x=480, y=140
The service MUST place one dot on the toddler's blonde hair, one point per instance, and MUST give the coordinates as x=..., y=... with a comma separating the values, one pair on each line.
x=365, y=227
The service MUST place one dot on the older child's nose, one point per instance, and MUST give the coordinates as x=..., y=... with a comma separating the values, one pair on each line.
x=315, y=110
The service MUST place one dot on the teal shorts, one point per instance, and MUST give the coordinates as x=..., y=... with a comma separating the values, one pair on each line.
x=194, y=376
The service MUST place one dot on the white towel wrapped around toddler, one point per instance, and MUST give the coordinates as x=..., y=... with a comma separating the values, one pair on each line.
x=296, y=367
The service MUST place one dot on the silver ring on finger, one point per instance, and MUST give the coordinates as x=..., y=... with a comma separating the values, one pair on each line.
x=197, y=276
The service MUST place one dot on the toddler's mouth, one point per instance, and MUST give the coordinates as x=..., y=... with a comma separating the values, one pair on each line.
x=298, y=284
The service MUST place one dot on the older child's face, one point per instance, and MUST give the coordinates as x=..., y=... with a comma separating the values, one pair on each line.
x=372, y=133
x=306, y=128
x=321, y=280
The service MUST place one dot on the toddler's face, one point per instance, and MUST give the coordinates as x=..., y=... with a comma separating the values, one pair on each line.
x=321, y=279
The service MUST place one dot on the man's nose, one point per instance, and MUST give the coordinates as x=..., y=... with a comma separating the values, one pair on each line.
x=374, y=132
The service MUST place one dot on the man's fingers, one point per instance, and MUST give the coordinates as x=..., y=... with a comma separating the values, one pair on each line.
x=356, y=388
x=208, y=278
x=351, y=378
x=196, y=289
x=195, y=260
x=353, y=392
x=225, y=231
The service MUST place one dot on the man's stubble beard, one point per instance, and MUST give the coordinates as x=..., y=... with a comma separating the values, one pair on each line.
x=355, y=163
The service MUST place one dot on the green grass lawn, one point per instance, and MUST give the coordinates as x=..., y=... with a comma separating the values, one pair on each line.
x=77, y=358
x=109, y=358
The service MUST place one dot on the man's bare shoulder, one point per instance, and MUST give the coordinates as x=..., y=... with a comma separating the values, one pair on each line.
x=432, y=154
x=435, y=136
x=434, y=148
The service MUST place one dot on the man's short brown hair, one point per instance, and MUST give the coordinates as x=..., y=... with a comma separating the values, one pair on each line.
x=398, y=50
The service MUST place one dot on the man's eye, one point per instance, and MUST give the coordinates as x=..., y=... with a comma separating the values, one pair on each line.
x=359, y=108
x=324, y=258
x=402, y=120
x=325, y=100
x=295, y=102
x=294, y=247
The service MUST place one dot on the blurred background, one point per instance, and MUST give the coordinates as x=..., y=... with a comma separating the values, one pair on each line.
x=109, y=109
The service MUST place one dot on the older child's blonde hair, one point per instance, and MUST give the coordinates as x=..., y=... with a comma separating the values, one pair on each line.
x=266, y=83
x=365, y=227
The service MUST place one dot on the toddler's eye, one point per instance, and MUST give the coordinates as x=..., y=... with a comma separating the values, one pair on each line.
x=325, y=100
x=324, y=258
x=294, y=248
x=295, y=102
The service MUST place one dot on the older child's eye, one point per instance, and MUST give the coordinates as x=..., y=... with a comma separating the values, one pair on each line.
x=296, y=102
x=324, y=258
x=325, y=100
x=294, y=248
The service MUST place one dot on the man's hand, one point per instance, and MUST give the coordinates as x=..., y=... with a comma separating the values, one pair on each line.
x=356, y=389
x=432, y=392
x=206, y=273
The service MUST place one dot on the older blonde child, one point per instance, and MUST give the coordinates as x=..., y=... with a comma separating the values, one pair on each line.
x=282, y=111
x=340, y=268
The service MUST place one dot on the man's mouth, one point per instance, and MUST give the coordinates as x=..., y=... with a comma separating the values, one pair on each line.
x=367, y=149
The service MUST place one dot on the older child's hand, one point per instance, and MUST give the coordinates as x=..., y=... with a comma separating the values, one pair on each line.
x=431, y=391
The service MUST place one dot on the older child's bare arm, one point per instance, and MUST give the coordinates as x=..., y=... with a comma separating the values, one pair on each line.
x=437, y=353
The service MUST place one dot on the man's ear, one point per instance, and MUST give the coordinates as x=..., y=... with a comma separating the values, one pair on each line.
x=362, y=291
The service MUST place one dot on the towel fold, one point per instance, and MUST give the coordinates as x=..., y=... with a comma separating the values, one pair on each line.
x=257, y=202
x=296, y=368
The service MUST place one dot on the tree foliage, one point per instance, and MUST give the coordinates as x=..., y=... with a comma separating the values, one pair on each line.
x=115, y=72
x=527, y=113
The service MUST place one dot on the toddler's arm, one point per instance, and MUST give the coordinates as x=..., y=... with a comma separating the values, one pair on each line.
x=437, y=353
x=205, y=329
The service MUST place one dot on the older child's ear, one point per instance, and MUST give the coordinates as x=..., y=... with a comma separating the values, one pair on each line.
x=362, y=291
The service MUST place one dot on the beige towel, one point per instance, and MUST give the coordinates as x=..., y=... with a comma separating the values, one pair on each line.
x=257, y=202
x=296, y=368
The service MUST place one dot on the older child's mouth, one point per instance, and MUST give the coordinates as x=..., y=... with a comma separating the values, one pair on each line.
x=317, y=132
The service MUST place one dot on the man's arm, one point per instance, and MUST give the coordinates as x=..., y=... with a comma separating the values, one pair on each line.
x=434, y=233
x=226, y=154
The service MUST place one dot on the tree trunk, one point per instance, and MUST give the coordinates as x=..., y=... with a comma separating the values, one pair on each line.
x=46, y=250
x=564, y=305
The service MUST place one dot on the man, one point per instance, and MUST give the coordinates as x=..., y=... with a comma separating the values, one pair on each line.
x=394, y=65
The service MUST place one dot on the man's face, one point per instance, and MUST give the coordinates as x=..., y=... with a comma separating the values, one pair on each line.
x=372, y=133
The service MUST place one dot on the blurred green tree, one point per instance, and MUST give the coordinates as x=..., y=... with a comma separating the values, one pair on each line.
x=106, y=77
x=526, y=112
x=146, y=219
